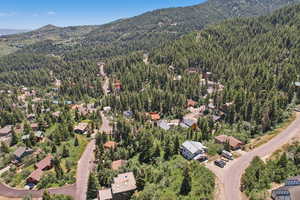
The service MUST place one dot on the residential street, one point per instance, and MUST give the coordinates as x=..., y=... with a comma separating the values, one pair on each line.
x=230, y=176
x=85, y=166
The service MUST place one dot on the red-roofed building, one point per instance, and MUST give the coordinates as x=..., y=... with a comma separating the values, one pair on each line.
x=45, y=164
x=232, y=141
x=191, y=103
x=110, y=145
x=116, y=165
x=154, y=116
x=35, y=176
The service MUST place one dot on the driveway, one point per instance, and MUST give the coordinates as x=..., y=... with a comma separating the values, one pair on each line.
x=230, y=177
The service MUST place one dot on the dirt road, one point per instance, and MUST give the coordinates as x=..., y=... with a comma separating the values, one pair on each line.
x=230, y=177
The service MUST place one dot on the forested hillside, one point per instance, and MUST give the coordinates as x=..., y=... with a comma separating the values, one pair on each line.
x=138, y=33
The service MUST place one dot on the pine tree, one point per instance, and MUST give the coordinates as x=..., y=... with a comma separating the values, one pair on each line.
x=76, y=142
x=186, y=183
x=167, y=150
x=92, y=188
x=65, y=152
x=57, y=168
x=176, y=146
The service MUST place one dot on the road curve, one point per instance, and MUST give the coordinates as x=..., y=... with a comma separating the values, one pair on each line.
x=9, y=192
x=230, y=177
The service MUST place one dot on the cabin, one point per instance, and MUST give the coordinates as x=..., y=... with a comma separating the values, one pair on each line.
x=34, y=126
x=105, y=194
x=232, y=141
x=128, y=114
x=193, y=150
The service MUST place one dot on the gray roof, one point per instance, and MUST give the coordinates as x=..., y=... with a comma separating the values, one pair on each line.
x=286, y=193
x=20, y=151
x=193, y=146
x=189, y=121
x=163, y=124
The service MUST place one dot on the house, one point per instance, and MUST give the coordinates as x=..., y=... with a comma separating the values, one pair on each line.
x=207, y=75
x=192, y=70
x=290, y=190
x=232, y=141
x=6, y=131
x=105, y=194
x=20, y=153
x=35, y=176
x=189, y=121
x=174, y=122
x=121, y=189
x=193, y=150
x=123, y=186
x=191, y=103
x=56, y=114
x=39, y=135
x=128, y=114
x=297, y=84
x=44, y=164
x=116, y=165
x=118, y=85
x=81, y=128
x=30, y=117
x=34, y=126
x=163, y=124
x=154, y=116
x=107, y=109
x=110, y=145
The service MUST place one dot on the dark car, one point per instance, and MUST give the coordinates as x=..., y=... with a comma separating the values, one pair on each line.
x=220, y=163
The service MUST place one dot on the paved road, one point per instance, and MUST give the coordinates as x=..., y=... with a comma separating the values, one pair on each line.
x=230, y=176
x=85, y=166
x=6, y=191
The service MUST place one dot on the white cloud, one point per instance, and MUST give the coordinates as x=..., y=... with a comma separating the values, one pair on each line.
x=7, y=14
x=51, y=13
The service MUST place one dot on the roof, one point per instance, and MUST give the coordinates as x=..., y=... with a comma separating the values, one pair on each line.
x=46, y=162
x=116, y=165
x=154, y=116
x=124, y=183
x=163, y=124
x=297, y=84
x=110, y=145
x=191, y=103
x=105, y=194
x=193, y=146
x=282, y=193
x=189, y=121
x=20, y=151
x=233, y=142
x=81, y=126
x=34, y=125
x=5, y=130
x=36, y=175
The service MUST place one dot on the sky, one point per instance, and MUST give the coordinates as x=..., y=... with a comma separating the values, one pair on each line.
x=32, y=14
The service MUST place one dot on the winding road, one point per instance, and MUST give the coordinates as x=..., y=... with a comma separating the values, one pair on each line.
x=230, y=176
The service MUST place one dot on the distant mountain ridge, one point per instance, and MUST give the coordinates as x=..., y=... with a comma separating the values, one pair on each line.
x=12, y=31
x=141, y=32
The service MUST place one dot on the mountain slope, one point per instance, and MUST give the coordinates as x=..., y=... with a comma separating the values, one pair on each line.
x=11, y=31
x=138, y=33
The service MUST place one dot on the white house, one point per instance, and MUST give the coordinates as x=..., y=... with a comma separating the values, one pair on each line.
x=193, y=150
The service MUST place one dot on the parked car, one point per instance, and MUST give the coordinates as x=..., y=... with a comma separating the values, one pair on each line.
x=220, y=163
x=227, y=155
